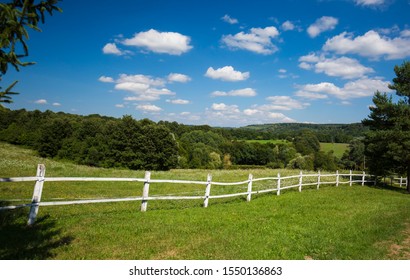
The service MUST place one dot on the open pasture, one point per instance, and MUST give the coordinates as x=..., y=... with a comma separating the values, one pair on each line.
x=345, y=222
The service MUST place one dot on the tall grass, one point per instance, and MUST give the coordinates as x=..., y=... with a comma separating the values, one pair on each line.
x=331, y=223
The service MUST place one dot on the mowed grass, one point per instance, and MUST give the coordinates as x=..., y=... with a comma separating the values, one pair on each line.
x=337, y=148
x=330, y=223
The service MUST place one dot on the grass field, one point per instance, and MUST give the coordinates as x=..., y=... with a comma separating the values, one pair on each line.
x=331, y=223
x=337, y=148
x=275, y=142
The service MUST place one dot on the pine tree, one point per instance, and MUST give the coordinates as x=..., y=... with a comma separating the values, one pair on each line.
x=388, y=141
x=16, y=18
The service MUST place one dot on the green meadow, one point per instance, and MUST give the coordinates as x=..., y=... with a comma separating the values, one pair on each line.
x=357, y=222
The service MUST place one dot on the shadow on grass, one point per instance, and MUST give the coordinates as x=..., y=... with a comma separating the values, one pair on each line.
x=385, y=186
x=21, y=242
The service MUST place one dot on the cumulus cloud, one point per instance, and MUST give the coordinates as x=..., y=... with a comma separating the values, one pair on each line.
x=149, y=108
x=344, y=67
x=172, y=43
x=245, y=92
x=227, y=73
x=178, y=101
x=258, y=40
x=405, y=33
x=142, y=87
x=371, y=45
x=229, y=19
x=41, y=102
x=354, y=89
x=141, y=79
x=111, y=48
x=231, y=115
x=321, y=25
x=288, y=25
x=105, y=79
x=224, y=107
x=283, y=103
x=180, y=78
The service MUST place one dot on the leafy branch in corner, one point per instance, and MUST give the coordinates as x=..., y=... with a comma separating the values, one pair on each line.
x=16, y=18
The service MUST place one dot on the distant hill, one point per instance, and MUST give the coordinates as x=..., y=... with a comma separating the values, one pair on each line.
x=337, y=133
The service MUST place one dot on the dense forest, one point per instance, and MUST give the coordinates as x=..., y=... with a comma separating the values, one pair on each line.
x=143, y=144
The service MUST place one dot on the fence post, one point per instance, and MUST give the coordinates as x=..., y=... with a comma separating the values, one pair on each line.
x=38, y=190
x=337, y=178
x=363, y=178
x=207, y=190
x=278, y=191
x=318, y=179
x=145, y=192
x=248, y=198
x=300, y=180
x=401, y=181
x=351, y=178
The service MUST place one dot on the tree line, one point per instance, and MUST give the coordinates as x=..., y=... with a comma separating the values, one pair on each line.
x=143, y=144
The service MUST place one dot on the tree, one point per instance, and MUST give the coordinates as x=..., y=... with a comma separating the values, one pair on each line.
x=388, y=141
x=306, y=142
x=15, y=19
x=401, y=84
x=354, y=157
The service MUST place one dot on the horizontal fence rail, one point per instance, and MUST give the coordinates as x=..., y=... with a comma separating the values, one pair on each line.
x=295, y=181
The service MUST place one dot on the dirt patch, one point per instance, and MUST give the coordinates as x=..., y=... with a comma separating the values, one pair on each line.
x=401, y=250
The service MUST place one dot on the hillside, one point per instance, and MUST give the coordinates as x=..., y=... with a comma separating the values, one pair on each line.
x=333, y=133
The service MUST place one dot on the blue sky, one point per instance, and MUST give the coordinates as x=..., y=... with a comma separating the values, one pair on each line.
x=222, y=63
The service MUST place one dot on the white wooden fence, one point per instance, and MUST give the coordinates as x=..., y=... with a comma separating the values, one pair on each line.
x=40, y=179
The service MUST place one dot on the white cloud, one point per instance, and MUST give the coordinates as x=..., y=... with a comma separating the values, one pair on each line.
x=41, y=102
x=305, y=65
x=105, y=79
x=119, y=105
x=111, y=48
x=310, y=58
x=178, y=101
x=56, y=104
x=370, y=2
x=344, y=67
x=285, y=103
x=245, y=92
x=227, y=73
x=180, y=78
x=224, y=107
x=310, y=95
x=288, y=25
x=230, y=20
x=132, y=87
x=221, y=114
x=141, y=79
x=405, y=33
x=149, y=108
x=160, y=42
x=143, y=87
x=321, y=25
x=258, y=40
x=371, y=45
x=354, y=89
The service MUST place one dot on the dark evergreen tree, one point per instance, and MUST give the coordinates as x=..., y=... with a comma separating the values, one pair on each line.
x=388, y=142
